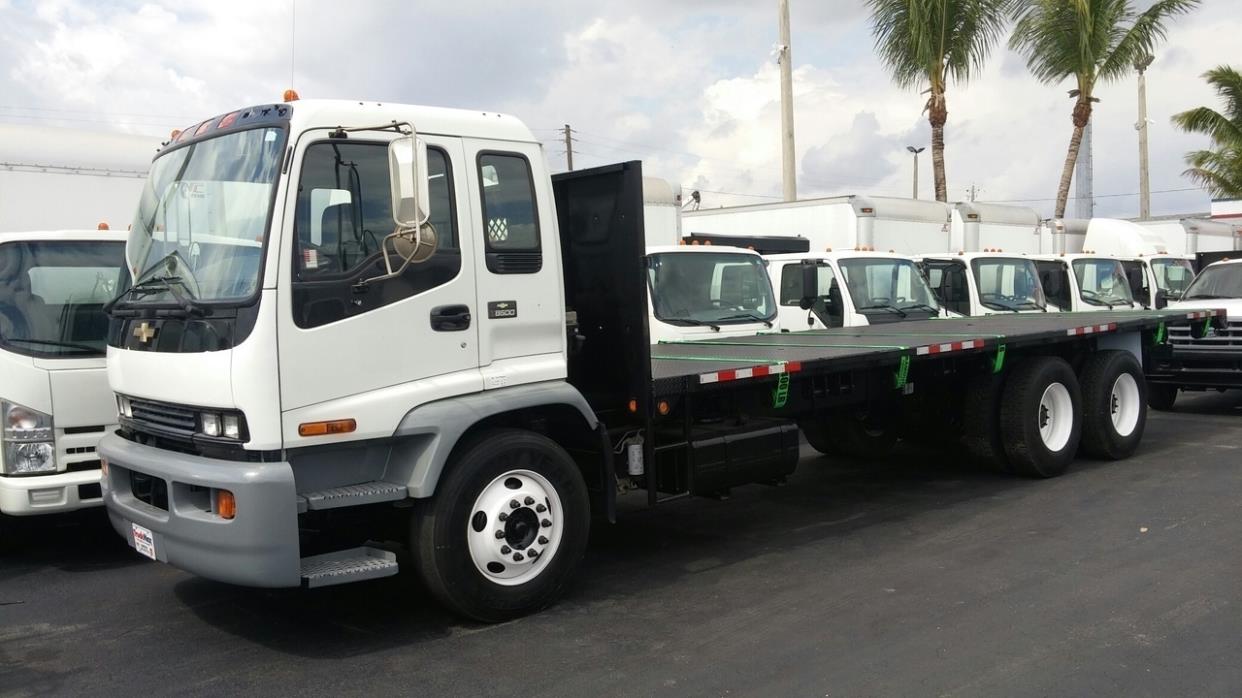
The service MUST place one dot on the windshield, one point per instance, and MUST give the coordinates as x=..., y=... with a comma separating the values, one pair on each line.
x=1173, y=276
x=203, y=217
x=52, y=296
x=1102, y=282
x=1009, y=284
x=710, y=288
x=881, y=285
x=1223, y=281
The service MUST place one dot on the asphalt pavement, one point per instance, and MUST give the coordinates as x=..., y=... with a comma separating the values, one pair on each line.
x=915, y=576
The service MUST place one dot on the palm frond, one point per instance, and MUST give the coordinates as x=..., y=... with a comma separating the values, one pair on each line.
x=1211, y=123
x=1143, y=35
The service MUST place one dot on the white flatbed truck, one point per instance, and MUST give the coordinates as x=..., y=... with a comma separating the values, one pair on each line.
x=55, y=399
x=467, y=349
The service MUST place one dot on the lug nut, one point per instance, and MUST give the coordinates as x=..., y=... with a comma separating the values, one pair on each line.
x=500, y=534
x=543, y=540
x=503, y=516
x=545, y=523
x=513, y=504
x=530, y=501
x=541, y=508
x=517, y=557
x=533, y=554
x=505, y=550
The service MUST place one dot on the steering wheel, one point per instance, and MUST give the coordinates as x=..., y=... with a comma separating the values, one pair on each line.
x=1091, y=295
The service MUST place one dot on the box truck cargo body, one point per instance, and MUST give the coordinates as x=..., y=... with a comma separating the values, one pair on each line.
x=979, y=226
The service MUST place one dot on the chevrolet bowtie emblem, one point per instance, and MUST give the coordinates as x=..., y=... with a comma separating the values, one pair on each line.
x=145, y=332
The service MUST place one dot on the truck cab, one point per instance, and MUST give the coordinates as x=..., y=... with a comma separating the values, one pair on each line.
x=1084, y=283
x=856, y=288
x=985, y=283
x=55, y=400
x=700, y=292
x=1158, y=278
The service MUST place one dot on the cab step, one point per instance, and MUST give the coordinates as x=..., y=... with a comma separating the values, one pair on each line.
x=346, y=566
x=352, y=496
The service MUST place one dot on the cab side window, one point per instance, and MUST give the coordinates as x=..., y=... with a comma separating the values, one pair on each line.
x=948, y=280
x=1054, y=277
x=342, y=215
x=510, y=216
x=791, y=283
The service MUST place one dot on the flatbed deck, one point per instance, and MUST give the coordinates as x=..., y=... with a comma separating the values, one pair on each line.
x=690, y=366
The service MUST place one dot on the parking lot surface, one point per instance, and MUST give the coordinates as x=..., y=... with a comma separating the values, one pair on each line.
x=915, y=576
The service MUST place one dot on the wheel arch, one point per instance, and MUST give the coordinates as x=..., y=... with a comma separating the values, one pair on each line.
x=429, y=435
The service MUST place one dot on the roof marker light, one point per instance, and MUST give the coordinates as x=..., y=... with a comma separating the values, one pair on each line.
x=228, y=120
x=203, y=127
x=291, y=95
x=103, y=225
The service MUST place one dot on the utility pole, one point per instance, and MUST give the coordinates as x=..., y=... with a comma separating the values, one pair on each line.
x=1141, y=65
x=569, y=148
x=785, y=58
x=916, y=152
x=973, y=191
x=1084, y=204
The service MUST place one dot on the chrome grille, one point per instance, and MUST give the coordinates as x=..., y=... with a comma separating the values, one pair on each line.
x=164, y=417
x=1228, y=339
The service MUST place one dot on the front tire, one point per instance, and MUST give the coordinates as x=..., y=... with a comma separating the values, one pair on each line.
x=482, y=556
x=1114, y=395
x=1041, y=417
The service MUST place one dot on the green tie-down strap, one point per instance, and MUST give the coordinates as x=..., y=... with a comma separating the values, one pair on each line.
x=998, y=364
x=902, y=374
x=1207, y=327
x=780, y=394
x=1161, y=333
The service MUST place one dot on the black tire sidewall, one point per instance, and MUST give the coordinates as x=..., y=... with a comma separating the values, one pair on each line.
x=817, y=434
x=1019, y=419
x=1100, y=438
x=438, y=532
x=1162, y=396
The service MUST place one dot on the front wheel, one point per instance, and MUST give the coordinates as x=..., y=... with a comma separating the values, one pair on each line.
x=506, y=528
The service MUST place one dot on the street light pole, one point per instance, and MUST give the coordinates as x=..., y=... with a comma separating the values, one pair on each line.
x=916, y=152
x=1141, y=65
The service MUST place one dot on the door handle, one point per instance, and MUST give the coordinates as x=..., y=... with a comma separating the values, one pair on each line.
x=450, y=318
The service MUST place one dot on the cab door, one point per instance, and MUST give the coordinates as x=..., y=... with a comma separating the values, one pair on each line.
x=342, y=337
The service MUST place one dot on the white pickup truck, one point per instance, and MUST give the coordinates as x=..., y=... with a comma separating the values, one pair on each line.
x=1202, y=357
x=55, y=398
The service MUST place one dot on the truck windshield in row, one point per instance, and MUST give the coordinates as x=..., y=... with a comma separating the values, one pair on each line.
x=710, y=288
x=202, y=219
x=1173, y=276
x=1218, y=281
x=52, y=296
x=887, y=286
x=1102, y=282
x=1008, y=284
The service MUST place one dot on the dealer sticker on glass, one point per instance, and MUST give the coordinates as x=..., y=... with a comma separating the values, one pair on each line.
x=144, y=542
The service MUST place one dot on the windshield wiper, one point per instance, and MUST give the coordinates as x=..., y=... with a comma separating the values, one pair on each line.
x=890, y=308
x=747, y=316
x=1031, y=305
x=160, y=284
x=54, y=343
x=690, y=322
x=921, y=306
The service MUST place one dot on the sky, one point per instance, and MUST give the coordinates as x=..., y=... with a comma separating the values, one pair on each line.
x=690, y=87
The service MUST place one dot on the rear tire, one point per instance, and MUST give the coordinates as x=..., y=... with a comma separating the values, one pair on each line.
x=981, y=430
x=816, y=433
x=1161, y=397
x=1041, y=417
x=864, y=438
x=460, y=536
x=1114, y=399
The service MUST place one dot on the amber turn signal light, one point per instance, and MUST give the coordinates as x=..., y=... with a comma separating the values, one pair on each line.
x=338, y=426
x=226, y=505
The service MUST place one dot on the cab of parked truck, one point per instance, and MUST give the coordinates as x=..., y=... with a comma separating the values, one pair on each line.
x=854, y=288
x=1156, y=279
x=1086, y=282
x=985, y=283
x=54, y=391
x=703, y=292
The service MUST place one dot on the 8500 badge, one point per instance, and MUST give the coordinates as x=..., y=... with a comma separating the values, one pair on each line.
x=501, y=310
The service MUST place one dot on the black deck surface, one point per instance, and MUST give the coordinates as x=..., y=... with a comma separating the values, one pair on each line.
x=879, y=345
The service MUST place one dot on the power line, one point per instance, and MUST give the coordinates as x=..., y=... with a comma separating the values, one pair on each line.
x=1097, y=196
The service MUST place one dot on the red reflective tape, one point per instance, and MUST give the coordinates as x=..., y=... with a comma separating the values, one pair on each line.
x=752, y=372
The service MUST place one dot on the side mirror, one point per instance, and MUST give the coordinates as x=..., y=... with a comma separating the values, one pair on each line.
x=413, y=240
x=411, y=188
x=1162, y=299
x=810, y=284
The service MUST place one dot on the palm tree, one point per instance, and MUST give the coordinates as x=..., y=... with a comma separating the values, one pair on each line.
x=1092, y=41
x=927, y=42
x=1219, y=169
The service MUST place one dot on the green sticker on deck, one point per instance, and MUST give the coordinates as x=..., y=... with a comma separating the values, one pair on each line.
x=902, y=374
x=780, y=394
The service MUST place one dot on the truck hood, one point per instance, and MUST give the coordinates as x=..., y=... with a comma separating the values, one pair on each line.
x=1232, y=305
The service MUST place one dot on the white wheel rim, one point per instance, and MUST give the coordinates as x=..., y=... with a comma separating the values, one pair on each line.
x=515, y=543
x=1124, y=404
x=1056, y=417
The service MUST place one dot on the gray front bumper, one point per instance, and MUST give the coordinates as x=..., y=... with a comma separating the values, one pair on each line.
x=258, y=548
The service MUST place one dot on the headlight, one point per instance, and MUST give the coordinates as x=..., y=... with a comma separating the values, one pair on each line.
x=229, y=425
x=28, y=440
x=209, y=423
x=123, y=407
